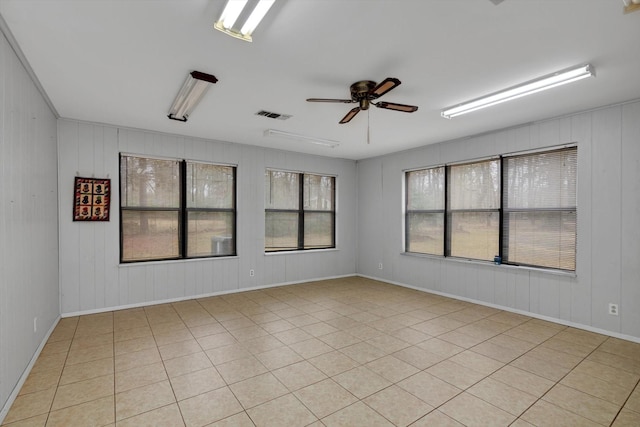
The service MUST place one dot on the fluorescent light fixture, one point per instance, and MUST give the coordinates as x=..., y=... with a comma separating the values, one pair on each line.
x=310, y=139
x=543, y=83
x=233, y=10
x=192, y=91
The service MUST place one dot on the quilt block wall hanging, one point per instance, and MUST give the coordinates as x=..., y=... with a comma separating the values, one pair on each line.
x=91, y=199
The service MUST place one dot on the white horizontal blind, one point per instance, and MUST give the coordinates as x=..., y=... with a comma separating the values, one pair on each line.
x=539, y=208
x=474, y=210
x=425, y=211
x=299, y=211
x=150, y=208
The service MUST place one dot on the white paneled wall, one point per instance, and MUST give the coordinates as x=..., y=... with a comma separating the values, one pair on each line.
x=28, y=221
x=91, y=278
x=608, y=258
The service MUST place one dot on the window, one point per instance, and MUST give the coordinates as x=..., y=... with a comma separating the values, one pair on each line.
x=299, y=211
x=172, y=209
x=520, y=207
x=539, y=206
x=473, y=215
x=425, y=211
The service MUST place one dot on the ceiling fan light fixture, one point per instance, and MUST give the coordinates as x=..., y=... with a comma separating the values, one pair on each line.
x=233, y=10
x=528, y=88
x=190, y=94
x=310, y=139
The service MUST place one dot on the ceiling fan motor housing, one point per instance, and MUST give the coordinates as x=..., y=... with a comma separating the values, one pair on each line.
x=360, y=92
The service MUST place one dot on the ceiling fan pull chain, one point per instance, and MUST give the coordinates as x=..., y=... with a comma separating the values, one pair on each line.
x=368, y=127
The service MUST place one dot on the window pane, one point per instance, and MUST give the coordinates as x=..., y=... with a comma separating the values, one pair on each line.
x=149, y=182
x=425, y=233
x=425, y=189
x=209, y=186
x=318, y=230
x=318, y=192
x=281, y=231
x=281, y=190
x=148, y=235
x=540, y=209
x=546, y=239
x=474, y=234
x=210, y=233
x=475, y=185
x=542, y=180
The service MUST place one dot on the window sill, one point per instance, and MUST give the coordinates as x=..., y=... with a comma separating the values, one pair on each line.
x=490, y=264
x=309, y=251
x=175, y=261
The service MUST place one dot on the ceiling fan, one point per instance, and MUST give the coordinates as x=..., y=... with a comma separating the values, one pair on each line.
x=364, y=93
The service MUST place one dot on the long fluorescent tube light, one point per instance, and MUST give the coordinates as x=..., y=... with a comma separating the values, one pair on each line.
x=543, y=83
x=192, y=91
x=232, y=12
x=310, y=139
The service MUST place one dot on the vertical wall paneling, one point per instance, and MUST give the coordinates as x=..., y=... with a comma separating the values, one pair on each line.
x=520, y=280
x=111, y=255
x=486, y=284
x=548, y=289
x=29, y=288
x=87, y=231
x=369, y=217
x=69, y=266
x=502, y=291
x=630, y=221
x=580, y=297
x=606, y=213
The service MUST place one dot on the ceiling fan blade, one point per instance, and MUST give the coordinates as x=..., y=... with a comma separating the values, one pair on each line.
x=350, y=115
x=343, y=101
x=396, y=107
x=384, y=86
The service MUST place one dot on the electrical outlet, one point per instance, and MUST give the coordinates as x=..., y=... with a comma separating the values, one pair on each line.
x=613, y=309
x=252, y=273
x=35, y=324
x=380, y=266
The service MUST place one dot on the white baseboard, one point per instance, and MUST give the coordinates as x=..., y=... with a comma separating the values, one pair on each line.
x=512, y=310
x=12, y=397
x=190, y=297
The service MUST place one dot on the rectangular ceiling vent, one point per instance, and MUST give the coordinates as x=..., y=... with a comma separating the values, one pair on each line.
x=271, y=115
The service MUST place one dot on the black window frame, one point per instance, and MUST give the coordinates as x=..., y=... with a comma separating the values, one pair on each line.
x=300, y=211
x=183, y=211
x=501, y=210
x=506, y=210
x=450, y=212
x=410, y=213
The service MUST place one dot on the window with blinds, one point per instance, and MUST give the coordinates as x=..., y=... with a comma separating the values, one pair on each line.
x=520, y=207
x=172, y=209
x=424, y=216
x=299, y=211
x=474, y=210
x=539, y=208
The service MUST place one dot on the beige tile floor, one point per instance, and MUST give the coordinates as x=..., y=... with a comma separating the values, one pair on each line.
x=345, y=352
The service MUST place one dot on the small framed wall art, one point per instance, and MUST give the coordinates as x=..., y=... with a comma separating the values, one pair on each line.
x=91, y=201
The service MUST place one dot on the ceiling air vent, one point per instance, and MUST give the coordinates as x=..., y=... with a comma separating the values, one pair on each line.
x=271, y=115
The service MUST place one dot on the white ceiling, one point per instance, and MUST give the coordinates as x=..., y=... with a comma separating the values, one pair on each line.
x=122, y=63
